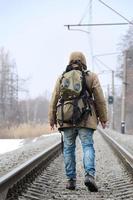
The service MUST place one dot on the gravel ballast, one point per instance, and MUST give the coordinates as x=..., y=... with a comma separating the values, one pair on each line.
x=124, y=140
x=32, y=147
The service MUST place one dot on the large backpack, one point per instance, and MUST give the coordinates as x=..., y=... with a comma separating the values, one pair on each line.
x=74, y=103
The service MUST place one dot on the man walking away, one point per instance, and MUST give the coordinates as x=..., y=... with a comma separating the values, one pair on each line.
x=77, y=106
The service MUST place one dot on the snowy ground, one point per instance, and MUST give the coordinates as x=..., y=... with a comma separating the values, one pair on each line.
x=14, y=152
x=7, y=145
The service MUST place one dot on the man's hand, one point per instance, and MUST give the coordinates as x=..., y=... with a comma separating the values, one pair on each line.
x=52, y=124
x=104, y=124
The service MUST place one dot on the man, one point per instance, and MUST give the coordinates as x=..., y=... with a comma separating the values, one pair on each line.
x=84, y=128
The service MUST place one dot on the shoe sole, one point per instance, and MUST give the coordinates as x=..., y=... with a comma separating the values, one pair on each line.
x=91, y=187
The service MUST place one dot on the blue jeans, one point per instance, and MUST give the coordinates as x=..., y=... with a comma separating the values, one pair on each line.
x=86, y=138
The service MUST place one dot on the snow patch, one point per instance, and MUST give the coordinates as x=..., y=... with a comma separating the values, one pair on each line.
x=7, y=145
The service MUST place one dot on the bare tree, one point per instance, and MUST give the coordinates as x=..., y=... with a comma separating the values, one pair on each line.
x=12, y=109
x=8, y=88
x=34, y=110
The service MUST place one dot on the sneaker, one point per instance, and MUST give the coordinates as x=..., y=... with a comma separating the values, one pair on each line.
x=71, y=184
x=90, y=183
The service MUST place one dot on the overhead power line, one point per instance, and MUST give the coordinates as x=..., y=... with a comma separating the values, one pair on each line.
x=106, y=54
x=101, y=24
x=85, y=13
x=116, y=12
x=102, y=63
x=104, y=24
x=77, y=29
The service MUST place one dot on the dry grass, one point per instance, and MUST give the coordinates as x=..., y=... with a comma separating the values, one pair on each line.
x=25, y=131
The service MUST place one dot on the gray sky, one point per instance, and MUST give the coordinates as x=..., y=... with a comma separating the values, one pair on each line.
x=34, y=33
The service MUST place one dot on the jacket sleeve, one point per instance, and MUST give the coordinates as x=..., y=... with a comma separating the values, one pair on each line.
x=99, y=99
x=54, y=101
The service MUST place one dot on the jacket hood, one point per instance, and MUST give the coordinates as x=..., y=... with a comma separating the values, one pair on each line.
x=78, y=56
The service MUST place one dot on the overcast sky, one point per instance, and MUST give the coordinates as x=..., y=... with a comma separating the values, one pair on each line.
x=34, y=33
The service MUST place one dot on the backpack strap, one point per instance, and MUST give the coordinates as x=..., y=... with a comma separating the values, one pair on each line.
x=86, y=99
x=87, y=73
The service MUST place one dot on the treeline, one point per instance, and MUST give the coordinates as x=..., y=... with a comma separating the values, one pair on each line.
x=14, y=111
x=33, y=110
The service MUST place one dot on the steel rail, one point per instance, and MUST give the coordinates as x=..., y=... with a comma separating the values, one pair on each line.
x=8, y=180
x=126, y=157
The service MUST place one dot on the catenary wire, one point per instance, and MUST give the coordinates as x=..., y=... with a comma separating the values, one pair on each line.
x=116, y=12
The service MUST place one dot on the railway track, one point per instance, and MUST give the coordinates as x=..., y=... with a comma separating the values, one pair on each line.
x=43, y=177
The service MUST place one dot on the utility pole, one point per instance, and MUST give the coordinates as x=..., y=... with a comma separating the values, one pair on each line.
x=109, y=111
x=124, y=86
x=91, y=34
x=113, y=99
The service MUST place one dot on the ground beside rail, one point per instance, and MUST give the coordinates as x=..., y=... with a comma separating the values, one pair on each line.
x=124, y=140
x=30, y=148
